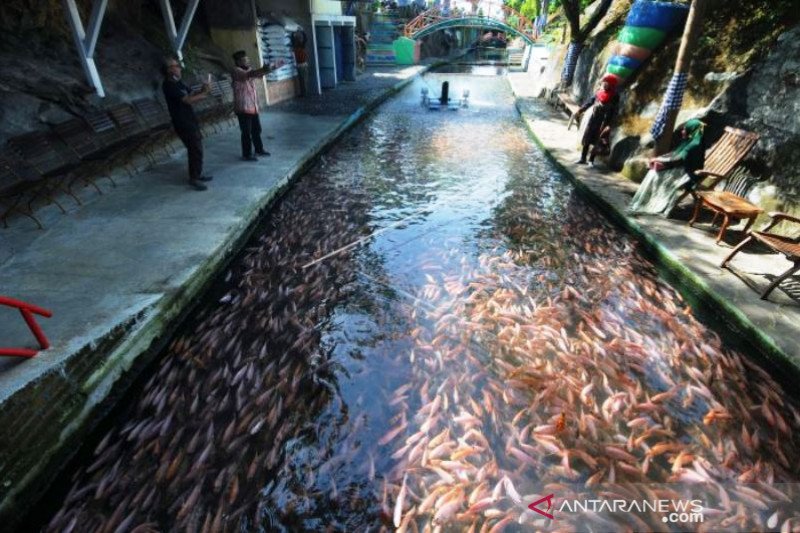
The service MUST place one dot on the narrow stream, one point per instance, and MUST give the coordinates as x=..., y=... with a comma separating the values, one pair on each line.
x=432, y=332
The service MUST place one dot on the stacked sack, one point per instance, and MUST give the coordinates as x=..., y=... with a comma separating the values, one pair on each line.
x=646, y=27
x=276, y=45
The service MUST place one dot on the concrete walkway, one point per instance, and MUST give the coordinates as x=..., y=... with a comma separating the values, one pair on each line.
x=122, y=270
x=732, y=296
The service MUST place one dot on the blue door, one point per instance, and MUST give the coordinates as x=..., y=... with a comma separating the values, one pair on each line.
x=339, y=51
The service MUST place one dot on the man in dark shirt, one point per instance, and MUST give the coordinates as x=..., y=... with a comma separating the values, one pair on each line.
x=179, y=102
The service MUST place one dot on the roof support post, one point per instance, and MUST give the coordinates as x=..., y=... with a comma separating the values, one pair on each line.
x=177, y=36
x=86, y=42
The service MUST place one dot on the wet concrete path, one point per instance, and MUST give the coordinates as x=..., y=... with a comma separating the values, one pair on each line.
x=434, y=330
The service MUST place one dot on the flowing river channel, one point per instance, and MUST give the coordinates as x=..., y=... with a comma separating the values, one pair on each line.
x=432, y=332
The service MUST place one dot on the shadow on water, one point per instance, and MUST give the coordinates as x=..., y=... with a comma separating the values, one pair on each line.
x=434, y=327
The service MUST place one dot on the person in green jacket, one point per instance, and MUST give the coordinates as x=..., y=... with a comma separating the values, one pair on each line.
x=672, y=174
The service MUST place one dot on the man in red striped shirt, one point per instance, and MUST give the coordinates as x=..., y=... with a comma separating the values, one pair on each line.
x=245, y=104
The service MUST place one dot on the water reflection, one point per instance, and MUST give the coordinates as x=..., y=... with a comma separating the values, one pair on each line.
x=491, y=339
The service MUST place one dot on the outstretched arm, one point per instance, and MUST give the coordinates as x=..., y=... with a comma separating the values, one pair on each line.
x=197, y=96
x=241, y=74
x=173, y=91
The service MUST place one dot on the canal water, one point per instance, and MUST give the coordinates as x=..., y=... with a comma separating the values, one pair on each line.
x=431, y=331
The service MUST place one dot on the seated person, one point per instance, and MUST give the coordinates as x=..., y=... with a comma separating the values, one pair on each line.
x=672, y=175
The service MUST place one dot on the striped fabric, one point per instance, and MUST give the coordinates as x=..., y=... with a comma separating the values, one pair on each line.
x=571, y=62
x=245, y=97
x=672, y=101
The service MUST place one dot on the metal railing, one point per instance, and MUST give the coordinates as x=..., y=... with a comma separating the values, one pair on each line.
x=27, y=311
x=511, y=18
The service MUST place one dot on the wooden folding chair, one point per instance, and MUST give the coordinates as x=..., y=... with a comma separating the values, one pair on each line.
x=132, y=129
x=107, y=135
x=726, y=154
x=78, y=137
x=158, y=121
x=18, y=183
x=42, y=151
x=789, y=246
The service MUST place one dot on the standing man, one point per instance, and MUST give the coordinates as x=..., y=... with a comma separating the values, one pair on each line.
x=301, y=59
x=245, y=104
x=179, y=102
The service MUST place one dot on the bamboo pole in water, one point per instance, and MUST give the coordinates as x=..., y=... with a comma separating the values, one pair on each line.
x=690, y=35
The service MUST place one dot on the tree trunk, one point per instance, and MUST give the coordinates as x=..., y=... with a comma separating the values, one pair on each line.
x=578, y=35
x=671, y=105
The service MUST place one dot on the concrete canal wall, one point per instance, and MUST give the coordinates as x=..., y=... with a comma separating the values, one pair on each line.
x=122, y=272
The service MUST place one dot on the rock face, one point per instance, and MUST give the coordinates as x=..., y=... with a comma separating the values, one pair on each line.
x=766, y=100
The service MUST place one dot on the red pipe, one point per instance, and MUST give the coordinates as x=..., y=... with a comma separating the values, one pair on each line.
x=27, y=311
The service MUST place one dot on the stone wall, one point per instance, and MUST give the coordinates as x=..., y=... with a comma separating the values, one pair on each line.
x=43, y=82
x=760, y=95
x=766, y=100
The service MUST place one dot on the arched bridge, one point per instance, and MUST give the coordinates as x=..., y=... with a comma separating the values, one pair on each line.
x=484, y=15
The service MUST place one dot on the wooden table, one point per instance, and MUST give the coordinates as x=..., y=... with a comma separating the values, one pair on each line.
x=728, y=205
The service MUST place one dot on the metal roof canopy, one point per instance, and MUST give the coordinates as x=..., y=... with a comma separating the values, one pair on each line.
x=86, y=42
x=178, y=37
x=86, y=39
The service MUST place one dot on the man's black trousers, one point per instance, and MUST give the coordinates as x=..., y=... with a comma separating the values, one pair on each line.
x=192, y=139
x=250, y=125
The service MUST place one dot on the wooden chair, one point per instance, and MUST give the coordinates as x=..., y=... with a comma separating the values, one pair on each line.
x=723, y=158
x=50, y=159
x=18, y=188
x=104, y=130
x=78, y=137
x=788, y=246
x=158, y=121
x=107, y=135
x=726, y=154
x=132, y=130
x=730, y=202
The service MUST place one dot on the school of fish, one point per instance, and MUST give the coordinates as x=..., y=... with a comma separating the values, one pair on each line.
x=320, y=390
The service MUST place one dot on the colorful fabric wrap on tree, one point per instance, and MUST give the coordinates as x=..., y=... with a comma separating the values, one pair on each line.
x=659, y=15
x=633, y=52
x=672, y=101
x=643, y=37
x=570, y=62
x=623, y=61
x=646, y=28
x=622, y=72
